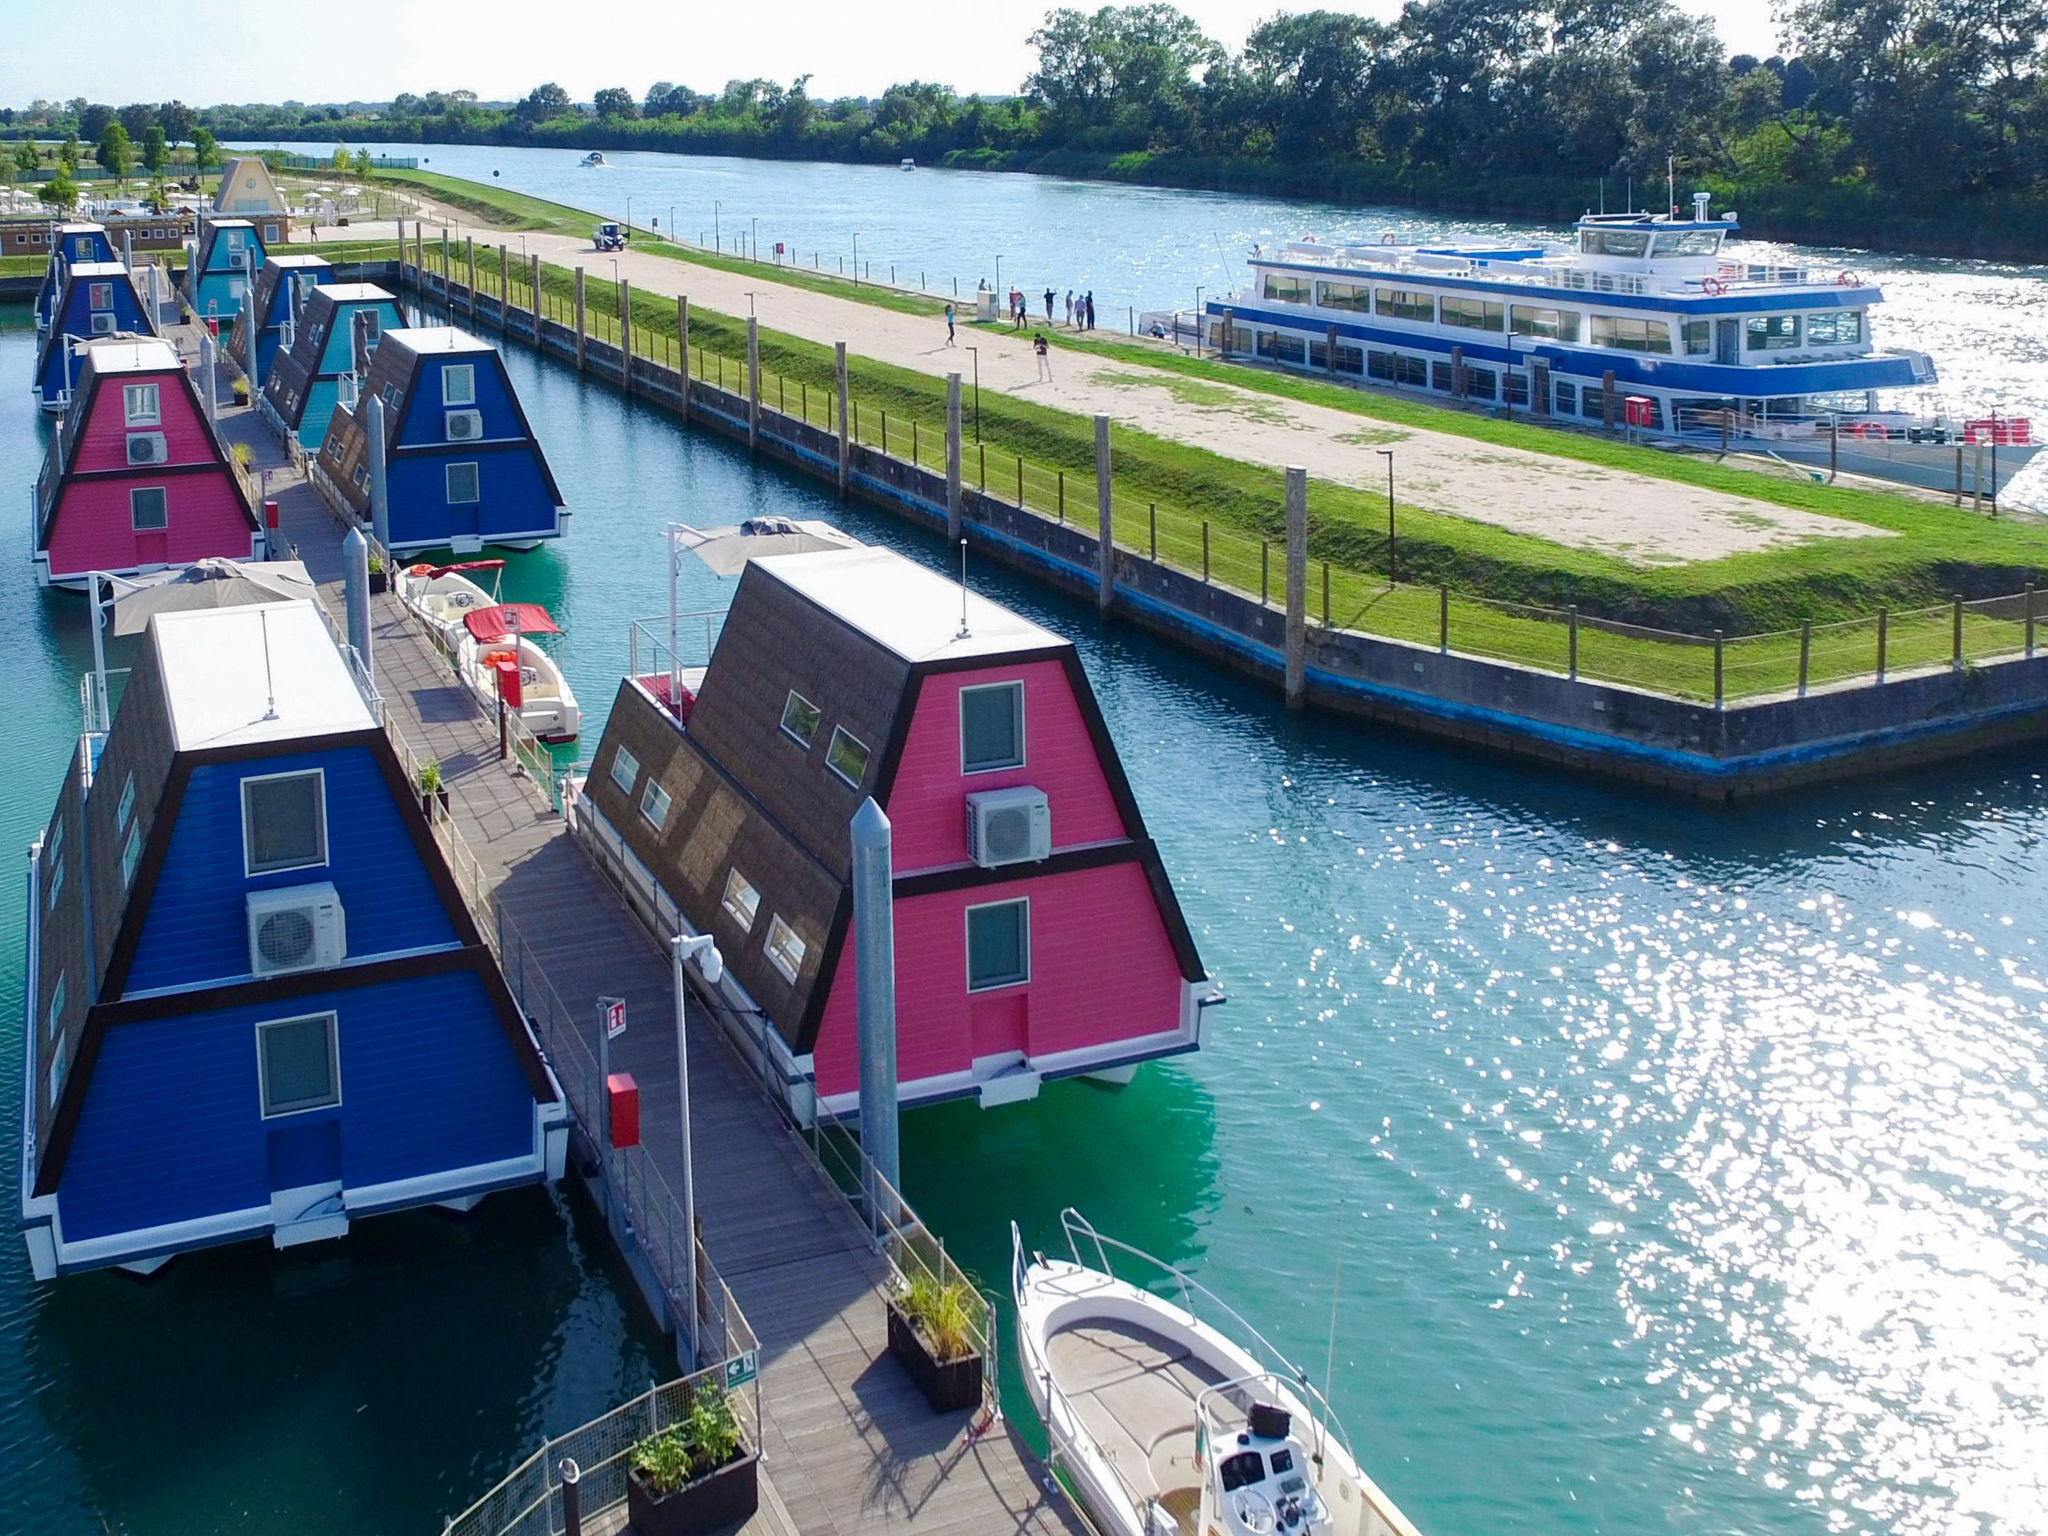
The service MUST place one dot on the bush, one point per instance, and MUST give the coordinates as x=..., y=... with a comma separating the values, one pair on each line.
x=702, y=1441
x=942, y=1311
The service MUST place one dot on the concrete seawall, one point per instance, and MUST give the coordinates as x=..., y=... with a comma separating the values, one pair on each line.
x=1746, y=749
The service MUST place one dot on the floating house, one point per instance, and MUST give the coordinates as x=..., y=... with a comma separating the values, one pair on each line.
x=248, y=191
x=462, y=465
x=225, y=260
x=98, y=298
x=68, y=243
x=338, y=336
x=1036, y=932
x=136, y=478
x=275, y=310
x=257, y=1004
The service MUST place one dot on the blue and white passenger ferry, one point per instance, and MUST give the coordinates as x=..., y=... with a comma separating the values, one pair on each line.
x=1646, y=322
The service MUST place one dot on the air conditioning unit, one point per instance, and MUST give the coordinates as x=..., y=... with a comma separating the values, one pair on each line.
x=148, y=448
x=296, y=928
x=465, y=426
x=103, y=324
x=1008, y=826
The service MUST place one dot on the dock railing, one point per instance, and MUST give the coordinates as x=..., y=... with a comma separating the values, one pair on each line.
x=530, y=1500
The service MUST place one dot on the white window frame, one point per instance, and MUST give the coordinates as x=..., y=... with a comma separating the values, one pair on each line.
x=967, y=935
x=776, y=947
x=840, y=732
x=449, y=373
x=142, y=405
x=631, y=776
x=55, y=1020
x=326, y=845
x=333, y=1022
x=648, y=795
x=476, y=488
x=1023, y=753
x=783, y=724
x=134, y=512
x=58, y=1063
x=743, y=906
x=131, y=855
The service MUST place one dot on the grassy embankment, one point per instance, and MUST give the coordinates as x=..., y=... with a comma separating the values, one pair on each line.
x=1935, y=550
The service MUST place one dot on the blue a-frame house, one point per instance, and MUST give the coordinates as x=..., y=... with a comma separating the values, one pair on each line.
x=98, y=298
x=69, y=243
x=339, y=333
x=275, y=312
x=462, y=465
x=257, y=1004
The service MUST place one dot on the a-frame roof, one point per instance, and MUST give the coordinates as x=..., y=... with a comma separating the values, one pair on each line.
x=267, y=304
x=293, y=371
x=246, y=186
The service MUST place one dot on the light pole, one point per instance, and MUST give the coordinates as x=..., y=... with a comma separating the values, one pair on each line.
x=1198, y=319
x=717, y=240
x=757, y=240
x=999, y=274
x=672, y=224
x=629, y=216
x=977, y=392
x=1393, y=563
x=711, y=966
x=750, y=303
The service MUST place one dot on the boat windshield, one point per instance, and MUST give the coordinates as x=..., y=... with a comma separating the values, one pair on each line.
x=1688, y=242
x=1614, y=242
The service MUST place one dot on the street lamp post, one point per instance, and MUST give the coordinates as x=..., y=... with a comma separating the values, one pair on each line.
x=757, y=240
x=977, y=392
x=711, y=966
x=999, y=274
x=717, y=240
x=1198, y=319
x=1393, y=562
x=672, y=223
x=629, y=216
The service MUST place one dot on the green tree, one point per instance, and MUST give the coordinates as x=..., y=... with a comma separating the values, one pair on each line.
x=205, y=153
x=156, y=151
x=60, y=192
x=341, y=162
x=138, y=118
x=364, y=170
x=116, y=156
x=92, y=122
x=70, y=152
x=28, y=158
x=1124, y=72
x=178, y=121
x=614, y=101
x=543, y=104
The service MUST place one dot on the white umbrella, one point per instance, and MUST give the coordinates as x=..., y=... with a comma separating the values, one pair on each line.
x=216, y=583
x=726, y=550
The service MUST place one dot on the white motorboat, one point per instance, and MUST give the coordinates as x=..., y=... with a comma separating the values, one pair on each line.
x=444, y=595
x=593, y=161
x=478, y=632
x=1167, y=1423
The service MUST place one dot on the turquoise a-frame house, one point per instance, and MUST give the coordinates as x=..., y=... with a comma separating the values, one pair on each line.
x=337, y=340
x=222, y=272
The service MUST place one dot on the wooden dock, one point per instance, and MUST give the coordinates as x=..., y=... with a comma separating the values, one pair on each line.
x=850, y=1445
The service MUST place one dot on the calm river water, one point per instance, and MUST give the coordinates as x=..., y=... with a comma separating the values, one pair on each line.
x=1668, y=1169
x=1984, y=323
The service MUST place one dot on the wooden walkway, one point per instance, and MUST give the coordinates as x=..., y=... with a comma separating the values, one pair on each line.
x=850, y=1445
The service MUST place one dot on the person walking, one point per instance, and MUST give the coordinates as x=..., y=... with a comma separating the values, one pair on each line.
x=1070, y=308
x=1090, y=303
x=1044, y=350
x=949, y=328
x=1049, y=297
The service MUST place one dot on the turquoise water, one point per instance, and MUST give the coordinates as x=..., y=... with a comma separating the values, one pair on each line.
x=1669, y=1169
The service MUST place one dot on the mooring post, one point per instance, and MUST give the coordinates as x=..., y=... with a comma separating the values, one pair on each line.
x=626, y=334
x=1572, y=642
x=1607, y=400
x=572, y=1497
x=874, y=936
x=206, y=392
x=1105, y=522
x=580, y=329
x=355, y=585
x=1443, y=621
x=953, y=512
x=753, y=384
x=1955, y=659
x=1297, y=585
x=2030, y=618
x=845, y=442
x=504, y=289
x=1719, y=656
x=1805, y=653
x=1331, y=343
x=1223, y=347
x=533, y=270
x=380, y=486
x=469, y=252
x=1883, y=626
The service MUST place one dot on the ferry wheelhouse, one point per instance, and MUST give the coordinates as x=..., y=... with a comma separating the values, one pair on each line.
x=1647, y=321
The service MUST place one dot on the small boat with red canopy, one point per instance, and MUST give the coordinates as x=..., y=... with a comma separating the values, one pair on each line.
x=496, y=646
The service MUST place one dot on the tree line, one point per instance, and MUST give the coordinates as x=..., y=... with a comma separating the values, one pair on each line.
x=1917, y=123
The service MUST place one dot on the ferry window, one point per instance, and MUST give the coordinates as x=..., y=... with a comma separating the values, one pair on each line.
x=1687, y=242
x=654, y=804
x=1550, y=324
x=1473, y=314
x=57, y=1004
x=1842, y=328
x=1567, y=399
x=1699, y=337
x=284, y=822
x=147, y=511
x=1404, y=304
x=458, y=384
x=847, y=757
x=1614, y=242
x=1770, y=333
x=1350, y=359
x=991, y=728
x=1631, y=335
x=1282, y=289
x=99, y=295
x=1515, y=387
x=1479, y=383
x=741, y=901
x=1352, y=296
x=1289, y=349
x=298, y=1064
x=800, y=719
x=785, y=951
x=141, y=404
x=131, y=855
x=625, y=770
x=462, y=485
x=998, y=945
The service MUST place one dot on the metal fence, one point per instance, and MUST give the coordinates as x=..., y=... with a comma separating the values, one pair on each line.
x=529, y=1502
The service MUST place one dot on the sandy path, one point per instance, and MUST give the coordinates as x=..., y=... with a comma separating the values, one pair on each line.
x=1636, y=518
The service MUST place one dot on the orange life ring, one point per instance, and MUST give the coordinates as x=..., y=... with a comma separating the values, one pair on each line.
x=1846, y=279
x=1713, y=285
x=418, y=570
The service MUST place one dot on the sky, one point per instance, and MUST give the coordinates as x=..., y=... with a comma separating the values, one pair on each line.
x=204, y=52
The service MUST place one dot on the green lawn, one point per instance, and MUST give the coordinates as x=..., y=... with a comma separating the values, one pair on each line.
x=23, y=266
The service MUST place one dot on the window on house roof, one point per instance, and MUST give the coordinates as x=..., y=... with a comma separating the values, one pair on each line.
x=800, y=719
x=741, y=901
x=59, y=1059
x=56, y=1014
x=299, y=1064
x=991, y=727
x=625, y=770
x=847, y=756
x=56, y=884
x=999, y=945
x=284, y=821
x=785, y=951
x=142, y=405
x=462, y=484
x=99, y=295
x=148, y=512
x=126, y=806
x=654, y=804
x=131, y=855
x=458, y=384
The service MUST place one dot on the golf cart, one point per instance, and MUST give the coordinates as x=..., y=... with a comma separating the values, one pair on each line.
x=609, y=237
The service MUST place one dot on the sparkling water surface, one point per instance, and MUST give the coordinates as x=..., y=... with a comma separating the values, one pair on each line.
x=1663, y=1168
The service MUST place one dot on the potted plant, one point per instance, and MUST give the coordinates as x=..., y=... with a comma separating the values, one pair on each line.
x=696, y=1475
x=243, y=455
x=432, y=789
x=380, y=578
x=931, y=1330
x=241, y=389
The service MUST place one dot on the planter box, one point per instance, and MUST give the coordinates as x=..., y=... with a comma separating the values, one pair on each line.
x=380, y=581
x=948, y=1385
x=715, y=1502
x=427, y=799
